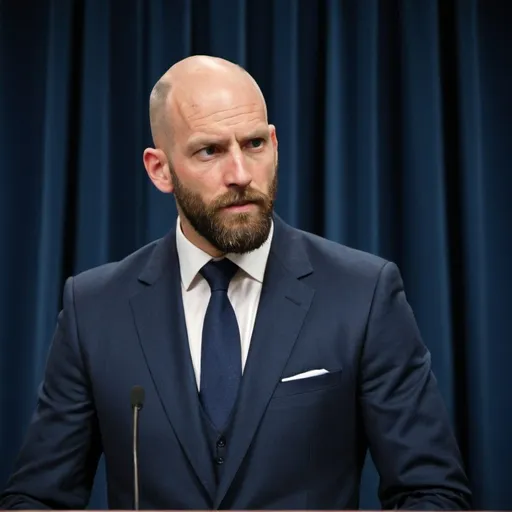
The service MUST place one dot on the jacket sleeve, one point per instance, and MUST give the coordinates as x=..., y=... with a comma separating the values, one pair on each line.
x=406, y=423
x=58, y=460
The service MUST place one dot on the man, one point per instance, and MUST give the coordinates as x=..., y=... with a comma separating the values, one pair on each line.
x=271, y=359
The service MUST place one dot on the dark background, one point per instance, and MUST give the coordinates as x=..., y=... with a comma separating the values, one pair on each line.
x=394, y=126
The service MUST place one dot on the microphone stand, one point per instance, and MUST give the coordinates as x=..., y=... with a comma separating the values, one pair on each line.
x=137, y=399
x=136, y=410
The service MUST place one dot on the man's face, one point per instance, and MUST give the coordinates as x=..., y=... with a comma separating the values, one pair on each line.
x=223, y=165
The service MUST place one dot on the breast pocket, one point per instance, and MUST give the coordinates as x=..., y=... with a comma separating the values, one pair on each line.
x=308, y=385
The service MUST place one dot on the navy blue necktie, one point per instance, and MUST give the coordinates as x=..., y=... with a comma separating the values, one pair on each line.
x=221, y=365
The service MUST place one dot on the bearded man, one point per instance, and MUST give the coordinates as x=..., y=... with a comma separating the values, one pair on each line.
x=268, y=360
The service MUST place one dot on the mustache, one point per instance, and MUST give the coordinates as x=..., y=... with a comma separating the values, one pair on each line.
x=234, y=198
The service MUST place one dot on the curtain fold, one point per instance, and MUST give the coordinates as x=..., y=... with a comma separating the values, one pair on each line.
x=393, y=120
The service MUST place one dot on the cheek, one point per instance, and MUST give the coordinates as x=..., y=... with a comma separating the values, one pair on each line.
x=207, y=183
x=263, y=175
x=198, y=181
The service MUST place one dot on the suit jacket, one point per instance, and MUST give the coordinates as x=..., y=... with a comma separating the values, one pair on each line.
x=294, y=445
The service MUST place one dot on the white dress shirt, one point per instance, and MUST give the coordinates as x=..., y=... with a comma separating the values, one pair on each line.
x=243, y=292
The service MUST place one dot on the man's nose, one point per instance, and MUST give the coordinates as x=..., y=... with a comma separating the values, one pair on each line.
x=238, y=173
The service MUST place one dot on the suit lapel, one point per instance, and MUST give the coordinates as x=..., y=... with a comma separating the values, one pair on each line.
x=160, y=322
x=284, y=304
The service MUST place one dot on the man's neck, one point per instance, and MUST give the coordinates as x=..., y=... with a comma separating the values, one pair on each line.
x=195, y=238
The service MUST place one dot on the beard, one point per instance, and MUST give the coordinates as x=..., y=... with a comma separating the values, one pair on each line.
x=237, y=233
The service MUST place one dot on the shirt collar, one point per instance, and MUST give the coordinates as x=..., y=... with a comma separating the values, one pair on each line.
x=192, y=259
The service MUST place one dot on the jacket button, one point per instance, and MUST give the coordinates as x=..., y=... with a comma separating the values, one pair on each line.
x=219, y=460
x=221, y=443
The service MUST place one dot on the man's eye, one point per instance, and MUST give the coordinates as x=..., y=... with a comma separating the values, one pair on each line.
x=208, y=151
x=256, y=143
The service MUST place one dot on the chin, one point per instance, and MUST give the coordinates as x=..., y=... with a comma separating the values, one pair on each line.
x=243, y=218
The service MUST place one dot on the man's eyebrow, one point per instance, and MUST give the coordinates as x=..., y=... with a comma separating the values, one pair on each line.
x=204, y=140
x=200, y=141
x=256, y=133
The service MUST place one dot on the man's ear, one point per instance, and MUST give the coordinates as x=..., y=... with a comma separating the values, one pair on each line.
x=273, y=138
x=157, y=167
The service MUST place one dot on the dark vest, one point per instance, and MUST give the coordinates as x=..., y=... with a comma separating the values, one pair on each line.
x=217, y=442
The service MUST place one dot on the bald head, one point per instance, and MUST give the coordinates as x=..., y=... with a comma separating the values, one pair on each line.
x=189, y=83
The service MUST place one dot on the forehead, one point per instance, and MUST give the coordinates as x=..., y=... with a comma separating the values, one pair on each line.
x=218, y=109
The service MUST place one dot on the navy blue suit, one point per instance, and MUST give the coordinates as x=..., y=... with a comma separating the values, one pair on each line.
x=291, y=445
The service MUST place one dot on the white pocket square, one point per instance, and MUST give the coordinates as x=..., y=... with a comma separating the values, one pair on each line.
x=305, y=375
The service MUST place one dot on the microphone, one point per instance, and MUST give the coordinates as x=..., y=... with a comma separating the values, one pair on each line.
x=137, y=399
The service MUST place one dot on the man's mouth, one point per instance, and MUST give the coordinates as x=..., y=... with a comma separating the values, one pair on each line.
x=240, y=206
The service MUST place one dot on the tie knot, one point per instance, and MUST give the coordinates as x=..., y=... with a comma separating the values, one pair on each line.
x=219, y=274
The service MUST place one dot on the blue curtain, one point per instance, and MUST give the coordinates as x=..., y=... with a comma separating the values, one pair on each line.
x=394, y=123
